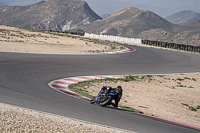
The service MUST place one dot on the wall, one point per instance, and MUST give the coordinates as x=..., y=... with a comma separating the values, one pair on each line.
x=114, y=38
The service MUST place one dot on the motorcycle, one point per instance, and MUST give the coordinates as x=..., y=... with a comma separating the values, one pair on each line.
x=103, y=99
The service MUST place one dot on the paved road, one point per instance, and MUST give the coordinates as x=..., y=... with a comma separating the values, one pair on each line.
x=24, y=82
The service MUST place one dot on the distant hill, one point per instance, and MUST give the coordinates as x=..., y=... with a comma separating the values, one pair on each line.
x=183, y=17
x=163, y=8
x=132, y=22
x=128, y=22
x=193, y=23
x=58, y=15
x=105, y=15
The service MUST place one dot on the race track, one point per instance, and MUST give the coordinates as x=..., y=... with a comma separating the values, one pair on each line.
x=24, y=82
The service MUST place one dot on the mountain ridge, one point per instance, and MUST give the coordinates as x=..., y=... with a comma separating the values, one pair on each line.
x=76, y=15
x=183, y=17
x=58, y=15
x=192, y=23
x=162, y=8
x=136, y=23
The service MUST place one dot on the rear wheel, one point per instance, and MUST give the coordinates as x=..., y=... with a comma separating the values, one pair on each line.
x=105, y=101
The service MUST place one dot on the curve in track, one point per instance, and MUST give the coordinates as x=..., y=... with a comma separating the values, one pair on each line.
x=24, y=82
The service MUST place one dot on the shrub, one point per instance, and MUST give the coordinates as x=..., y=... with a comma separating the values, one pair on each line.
x=194, y=79
x=180, y=79
x=198, y=107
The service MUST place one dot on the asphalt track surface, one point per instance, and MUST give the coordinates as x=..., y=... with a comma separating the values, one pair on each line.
x=24, y=82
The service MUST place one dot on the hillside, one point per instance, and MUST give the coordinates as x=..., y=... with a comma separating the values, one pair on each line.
x=183, y=17
x=128, y=22
x=58, y=15
x=193, y=23
x=101, y=7
x=163, y=8
x=132, y=22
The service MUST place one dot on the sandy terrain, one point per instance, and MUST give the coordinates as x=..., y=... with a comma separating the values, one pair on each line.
x=19, y=120
x=171, y=97
x=19, y=40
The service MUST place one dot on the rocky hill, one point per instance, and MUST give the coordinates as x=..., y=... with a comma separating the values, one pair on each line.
x=193, y=23
x=101, y=7
x=128, y=22
x=57, y=15
x=162, y=7
x=132, y=22
x=183, y=17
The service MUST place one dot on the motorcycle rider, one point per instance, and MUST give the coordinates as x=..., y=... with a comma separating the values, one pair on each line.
x=117, y=97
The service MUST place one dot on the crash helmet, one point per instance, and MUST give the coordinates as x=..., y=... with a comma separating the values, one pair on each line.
x=119, y=87
x=104, y=88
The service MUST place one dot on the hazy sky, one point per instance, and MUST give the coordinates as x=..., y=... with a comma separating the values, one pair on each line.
x=160, y=7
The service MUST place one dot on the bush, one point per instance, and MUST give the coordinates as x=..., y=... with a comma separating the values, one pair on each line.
x=198, y=107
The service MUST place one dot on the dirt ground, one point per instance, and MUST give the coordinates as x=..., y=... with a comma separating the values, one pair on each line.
x=173, y=97
x=19, y=40
x=19, y=120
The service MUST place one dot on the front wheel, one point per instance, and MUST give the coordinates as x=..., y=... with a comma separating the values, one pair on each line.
x=106, y=101
x=92, y=100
